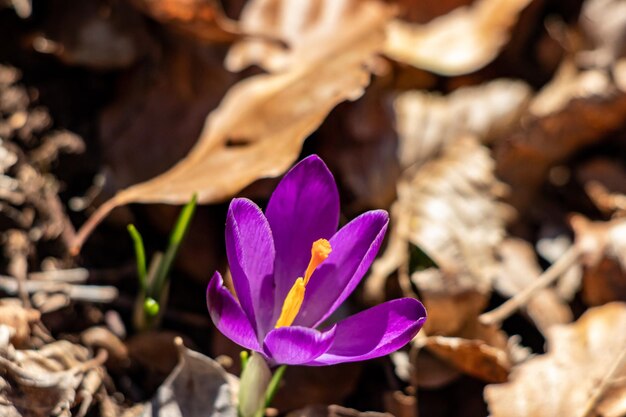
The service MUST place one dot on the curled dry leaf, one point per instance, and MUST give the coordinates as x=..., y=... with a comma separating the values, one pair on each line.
x=429, y=127
x=427, y=122
x=471, y=356
x=202, y=19
x=288, y=31
x=482, y=351
x=448, y=208
x=258, y=129
x=197, y=387
x=576, y=109
x=584, y=363
x=603, y=248
x=518, y=270
x=459, y=42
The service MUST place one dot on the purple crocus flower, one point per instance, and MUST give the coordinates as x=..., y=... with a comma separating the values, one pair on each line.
x=291, y=270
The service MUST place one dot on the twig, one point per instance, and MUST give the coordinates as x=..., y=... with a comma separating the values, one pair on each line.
x=93, y=293
x=72, y=275
x=91, y=223
x=500, y=313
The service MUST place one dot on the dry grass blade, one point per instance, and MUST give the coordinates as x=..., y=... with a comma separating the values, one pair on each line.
x=583, y=363
x=258, y=129
x=519, y=270
x=459, y=42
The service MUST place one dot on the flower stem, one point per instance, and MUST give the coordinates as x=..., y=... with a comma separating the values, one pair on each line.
x=140, y=255
x=272, y=388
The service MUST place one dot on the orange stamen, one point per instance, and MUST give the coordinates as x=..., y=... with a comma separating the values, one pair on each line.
x=319, y=252
x=292, y=304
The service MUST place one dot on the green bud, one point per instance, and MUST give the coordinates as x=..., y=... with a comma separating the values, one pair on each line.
x=151, y=307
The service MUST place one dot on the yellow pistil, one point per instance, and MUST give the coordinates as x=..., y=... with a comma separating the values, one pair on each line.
x=319, y=252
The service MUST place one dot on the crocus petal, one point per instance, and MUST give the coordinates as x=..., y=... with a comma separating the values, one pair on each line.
x=250, y=251
x=228, y=316
x=296, y=345
x=303, y=208
x=375, y=332
x=354, y=249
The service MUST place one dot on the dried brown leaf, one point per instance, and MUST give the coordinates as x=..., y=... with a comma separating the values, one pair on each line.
x=448, y=208
x=258, y=129
x=481, y=351
x=287, y=31
x=472, y=356
x=584, y=360
x=429, y=127
x=575, y=110
x=198, y=386
x=583, y=103
x=427, y=122
x=459, y=42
